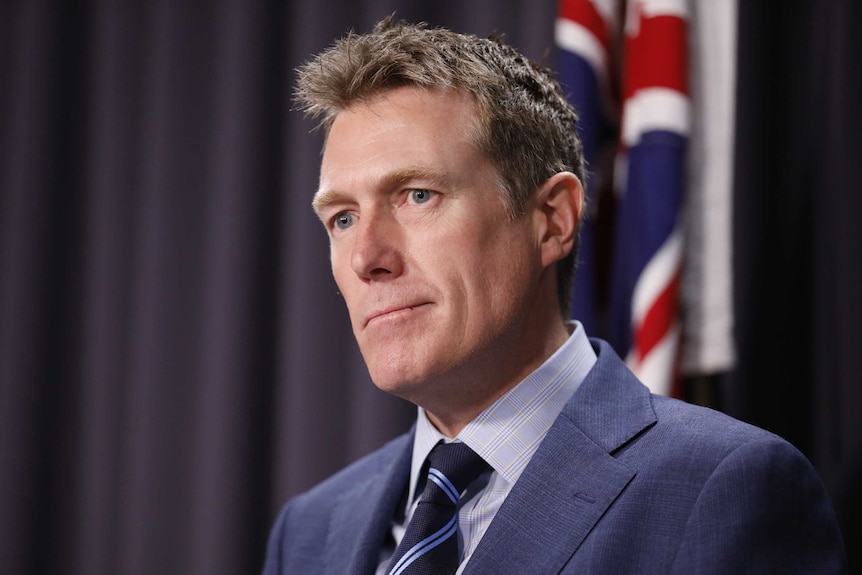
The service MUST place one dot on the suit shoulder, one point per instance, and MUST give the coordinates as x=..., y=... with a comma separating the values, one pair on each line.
x=727, y=493
x=303, y=526
x=699, y=433
x=366, y=466
x=698, y=419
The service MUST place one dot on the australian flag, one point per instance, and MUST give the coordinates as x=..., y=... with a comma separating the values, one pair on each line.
x=632, y=52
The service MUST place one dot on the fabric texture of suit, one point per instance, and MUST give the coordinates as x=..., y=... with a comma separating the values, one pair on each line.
x=624, y=482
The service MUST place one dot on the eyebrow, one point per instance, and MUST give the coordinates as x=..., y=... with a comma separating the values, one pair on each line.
x=325, y=198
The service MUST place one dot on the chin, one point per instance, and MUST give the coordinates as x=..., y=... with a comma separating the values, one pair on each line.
x=402, y=381
x=396, y=383
x=391, y=364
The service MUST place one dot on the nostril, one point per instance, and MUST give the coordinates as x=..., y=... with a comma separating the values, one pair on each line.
x=378, y=272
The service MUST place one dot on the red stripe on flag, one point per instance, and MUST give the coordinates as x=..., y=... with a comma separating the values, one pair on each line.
x=659, y=318
x=584, y=13
x=656, y=57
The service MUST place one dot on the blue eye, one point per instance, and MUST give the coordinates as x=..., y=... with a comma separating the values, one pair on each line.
x=343, y=220
x=420, y=196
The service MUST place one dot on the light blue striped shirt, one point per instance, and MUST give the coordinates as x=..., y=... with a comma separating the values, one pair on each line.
x=506, y=435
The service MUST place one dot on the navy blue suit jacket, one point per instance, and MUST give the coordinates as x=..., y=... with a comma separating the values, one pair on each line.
x=624, y=482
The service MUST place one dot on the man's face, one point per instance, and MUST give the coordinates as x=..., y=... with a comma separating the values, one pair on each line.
x=440, y=282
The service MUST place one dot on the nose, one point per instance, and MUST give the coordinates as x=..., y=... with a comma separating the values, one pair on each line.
x=376, y=253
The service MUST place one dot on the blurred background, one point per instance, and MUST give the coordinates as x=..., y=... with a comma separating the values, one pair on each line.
x=175, y=361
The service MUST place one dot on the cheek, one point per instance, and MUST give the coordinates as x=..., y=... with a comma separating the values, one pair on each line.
x=494, y=272
x=339, y=260
x=343, y=275
x=508, y=268
x=338, y=274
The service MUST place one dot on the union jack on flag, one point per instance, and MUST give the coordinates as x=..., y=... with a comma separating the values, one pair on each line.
x=649, y=172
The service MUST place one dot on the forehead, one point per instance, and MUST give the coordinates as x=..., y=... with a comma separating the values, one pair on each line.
x=430, y=112
x=404, y=129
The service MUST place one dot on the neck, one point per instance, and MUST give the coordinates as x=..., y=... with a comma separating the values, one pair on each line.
x=451, y=417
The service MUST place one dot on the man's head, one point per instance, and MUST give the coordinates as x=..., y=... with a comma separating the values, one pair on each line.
x=524, y=126
x=446, y=224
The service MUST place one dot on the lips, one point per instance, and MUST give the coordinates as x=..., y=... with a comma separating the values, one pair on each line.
x=393, y=311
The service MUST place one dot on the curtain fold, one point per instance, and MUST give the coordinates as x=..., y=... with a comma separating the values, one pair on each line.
x=175, y=360
x=798, y=273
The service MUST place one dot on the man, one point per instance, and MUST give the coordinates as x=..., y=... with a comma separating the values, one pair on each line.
x=450, y=186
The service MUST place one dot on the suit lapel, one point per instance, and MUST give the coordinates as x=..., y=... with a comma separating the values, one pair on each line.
x=362, y=517
x=572, y=479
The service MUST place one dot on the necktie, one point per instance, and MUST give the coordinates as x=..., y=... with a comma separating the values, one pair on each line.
x=429, y=546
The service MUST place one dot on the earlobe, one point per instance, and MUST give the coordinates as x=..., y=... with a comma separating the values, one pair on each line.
x=561, y=202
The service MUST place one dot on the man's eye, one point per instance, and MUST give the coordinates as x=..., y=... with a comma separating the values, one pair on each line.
x=420, y=196
x=343, y=220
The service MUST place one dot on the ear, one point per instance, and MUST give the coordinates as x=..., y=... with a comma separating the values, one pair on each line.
x=560, y=203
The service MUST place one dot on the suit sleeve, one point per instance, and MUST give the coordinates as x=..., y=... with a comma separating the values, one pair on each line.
x=273, y=564
x=763, y=510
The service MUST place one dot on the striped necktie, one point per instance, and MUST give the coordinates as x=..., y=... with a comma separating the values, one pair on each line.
x=429, y=546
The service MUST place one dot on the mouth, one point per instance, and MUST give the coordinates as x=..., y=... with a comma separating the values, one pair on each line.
x=394, y=313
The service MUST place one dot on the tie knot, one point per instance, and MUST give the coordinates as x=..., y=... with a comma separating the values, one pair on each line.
x=451, y=468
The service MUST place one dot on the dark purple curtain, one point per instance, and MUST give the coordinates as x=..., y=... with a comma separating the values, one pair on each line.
x=798, y=239
x=174, y=358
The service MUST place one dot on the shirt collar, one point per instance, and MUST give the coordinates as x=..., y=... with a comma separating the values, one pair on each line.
x=509, y=431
